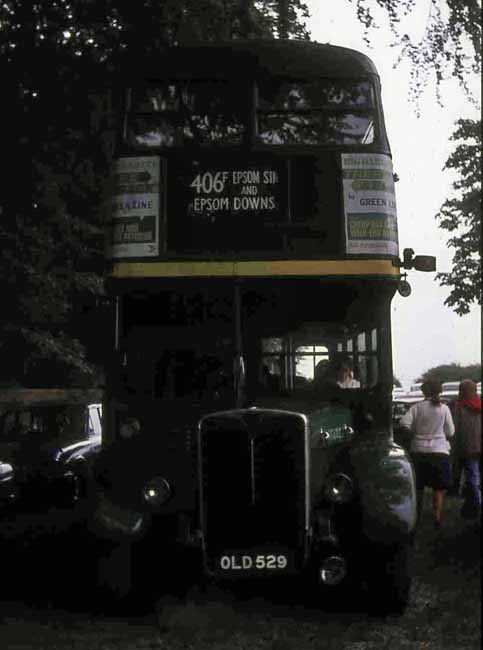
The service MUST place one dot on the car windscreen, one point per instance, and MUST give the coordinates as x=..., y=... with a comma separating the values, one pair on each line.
x=39, y=424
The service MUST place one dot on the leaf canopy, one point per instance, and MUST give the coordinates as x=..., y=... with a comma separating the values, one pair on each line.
x=460, y=215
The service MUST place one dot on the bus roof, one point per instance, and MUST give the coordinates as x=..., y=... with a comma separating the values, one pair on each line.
x=253, y=58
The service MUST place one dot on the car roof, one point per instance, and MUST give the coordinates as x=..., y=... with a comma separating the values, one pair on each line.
x=29, y=397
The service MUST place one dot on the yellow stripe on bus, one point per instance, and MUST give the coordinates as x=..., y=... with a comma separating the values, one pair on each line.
x=266, y=268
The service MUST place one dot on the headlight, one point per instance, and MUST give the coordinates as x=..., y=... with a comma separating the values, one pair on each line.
x=339, y=488
x=129, y=428
x=157, y=491
x=333, y=570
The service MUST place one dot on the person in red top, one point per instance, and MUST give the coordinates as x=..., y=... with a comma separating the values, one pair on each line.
x=467, y=445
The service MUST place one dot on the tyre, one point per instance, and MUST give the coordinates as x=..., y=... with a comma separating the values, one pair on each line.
x=114, y=572
x=388, y=579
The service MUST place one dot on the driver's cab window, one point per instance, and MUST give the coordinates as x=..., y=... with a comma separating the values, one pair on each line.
x=318, y=356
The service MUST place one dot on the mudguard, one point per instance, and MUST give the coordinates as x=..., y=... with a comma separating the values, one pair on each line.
x=387, y=491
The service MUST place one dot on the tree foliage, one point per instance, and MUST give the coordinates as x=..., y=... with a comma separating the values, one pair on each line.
x=59, y=146
x=461, y=216
x=450, y=45
x=452, y=372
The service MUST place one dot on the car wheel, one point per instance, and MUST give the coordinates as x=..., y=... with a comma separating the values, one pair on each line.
x=388, y=579
x=126, y=581
x=114, y=575
x=115, y=586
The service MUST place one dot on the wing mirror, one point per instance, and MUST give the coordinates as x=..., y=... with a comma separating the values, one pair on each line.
x=426, y=263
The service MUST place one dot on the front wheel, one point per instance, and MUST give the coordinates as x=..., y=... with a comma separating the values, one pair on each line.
x=388, y=579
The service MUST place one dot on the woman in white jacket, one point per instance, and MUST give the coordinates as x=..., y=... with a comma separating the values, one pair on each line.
x=430, y=424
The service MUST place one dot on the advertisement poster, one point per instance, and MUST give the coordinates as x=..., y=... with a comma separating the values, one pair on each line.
x=369, y=204
x=135, y=207
x=254, y=189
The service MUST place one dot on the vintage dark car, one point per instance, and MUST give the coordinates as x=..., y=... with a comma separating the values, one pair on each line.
x=400, y=406
x=49, y=438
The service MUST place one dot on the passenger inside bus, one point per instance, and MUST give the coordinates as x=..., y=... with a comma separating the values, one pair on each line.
x=344, y=371
x=270, y=383
x=330, y=363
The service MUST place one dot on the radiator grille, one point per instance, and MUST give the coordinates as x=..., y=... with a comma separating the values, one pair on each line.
x=253, y=479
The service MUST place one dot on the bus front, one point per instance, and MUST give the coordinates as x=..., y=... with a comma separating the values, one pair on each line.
x=254, y=258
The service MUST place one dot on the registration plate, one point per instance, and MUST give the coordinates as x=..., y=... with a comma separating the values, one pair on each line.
x=277, y=562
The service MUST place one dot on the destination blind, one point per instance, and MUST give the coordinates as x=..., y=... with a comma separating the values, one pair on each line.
x=234, y=192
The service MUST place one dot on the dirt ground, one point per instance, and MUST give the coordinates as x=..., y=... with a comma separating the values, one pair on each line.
x=444, y=613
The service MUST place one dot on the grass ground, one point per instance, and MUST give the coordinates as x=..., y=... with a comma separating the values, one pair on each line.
x=444, y=613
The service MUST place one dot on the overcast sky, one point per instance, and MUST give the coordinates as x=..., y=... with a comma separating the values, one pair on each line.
x=425, y=332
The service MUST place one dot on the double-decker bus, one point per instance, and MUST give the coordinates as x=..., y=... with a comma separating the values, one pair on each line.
x=254, y=258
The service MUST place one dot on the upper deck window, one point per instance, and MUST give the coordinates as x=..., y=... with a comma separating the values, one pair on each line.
x=315, y=112
x=177, y=113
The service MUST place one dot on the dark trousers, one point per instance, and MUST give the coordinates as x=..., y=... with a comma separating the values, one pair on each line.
x=457, y=475
x=472, y=487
